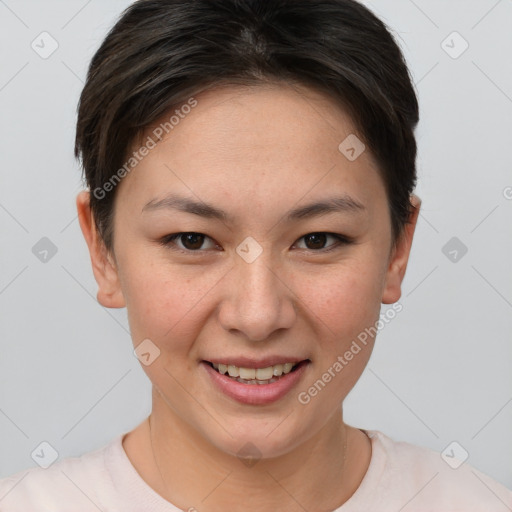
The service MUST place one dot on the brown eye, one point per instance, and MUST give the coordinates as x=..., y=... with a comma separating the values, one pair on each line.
x=315, y=240
x=191, y=242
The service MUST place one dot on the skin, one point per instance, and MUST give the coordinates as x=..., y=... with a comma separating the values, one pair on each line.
x=256, y=152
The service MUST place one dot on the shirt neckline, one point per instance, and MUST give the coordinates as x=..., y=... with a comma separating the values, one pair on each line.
x=141, y=497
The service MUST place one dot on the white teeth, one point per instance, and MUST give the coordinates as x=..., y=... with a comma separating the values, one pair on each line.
x=287, y=367
x=254, y=381
x=255, y=375
x=247, y=373
x=233, y=371
x=264, y=373
x=277, y=370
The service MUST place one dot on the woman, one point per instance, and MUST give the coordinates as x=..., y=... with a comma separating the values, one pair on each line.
x=250, y=169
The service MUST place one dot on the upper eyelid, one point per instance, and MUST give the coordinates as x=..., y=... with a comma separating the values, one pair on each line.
x=175, y=236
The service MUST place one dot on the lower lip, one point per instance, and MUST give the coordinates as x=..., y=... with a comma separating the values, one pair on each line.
x=256, y=394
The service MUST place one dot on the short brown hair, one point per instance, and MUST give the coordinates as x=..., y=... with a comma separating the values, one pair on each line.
x=161, y=52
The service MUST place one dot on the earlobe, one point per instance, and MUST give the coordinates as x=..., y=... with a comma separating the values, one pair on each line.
x=103, y=265
x=400, y=256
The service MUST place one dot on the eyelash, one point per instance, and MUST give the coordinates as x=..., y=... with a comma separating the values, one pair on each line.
x=168, y=241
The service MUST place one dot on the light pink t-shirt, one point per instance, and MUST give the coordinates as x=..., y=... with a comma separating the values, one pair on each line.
x=401, y=477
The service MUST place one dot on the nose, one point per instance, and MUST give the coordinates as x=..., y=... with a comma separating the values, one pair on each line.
x=258, y=300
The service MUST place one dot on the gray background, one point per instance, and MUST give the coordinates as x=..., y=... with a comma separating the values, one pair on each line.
x=441, y=371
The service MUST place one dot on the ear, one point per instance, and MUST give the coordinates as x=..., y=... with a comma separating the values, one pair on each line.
x=103, y=263
x=400, y=256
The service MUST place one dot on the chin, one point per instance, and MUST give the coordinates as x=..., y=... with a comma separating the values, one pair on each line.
x=264, y=438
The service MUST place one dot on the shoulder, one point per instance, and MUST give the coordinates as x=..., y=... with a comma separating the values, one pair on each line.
x=423, y=479
x=78, y=481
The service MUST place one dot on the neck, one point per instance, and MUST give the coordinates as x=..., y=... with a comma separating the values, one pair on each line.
x=188, y=471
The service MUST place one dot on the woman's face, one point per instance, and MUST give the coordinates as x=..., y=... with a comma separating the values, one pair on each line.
x=266, y=284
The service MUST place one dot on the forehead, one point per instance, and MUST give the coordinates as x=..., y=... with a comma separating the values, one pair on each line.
x=264, y=115
x=266, y=139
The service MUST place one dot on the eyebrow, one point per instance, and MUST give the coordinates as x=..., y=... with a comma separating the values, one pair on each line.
x=343, y=204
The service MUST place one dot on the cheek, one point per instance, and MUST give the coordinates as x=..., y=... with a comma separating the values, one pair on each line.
x=344, y=301
x=165, y=302
x=344, y=307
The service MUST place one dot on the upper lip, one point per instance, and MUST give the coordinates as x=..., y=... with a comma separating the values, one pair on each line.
x=248, y=362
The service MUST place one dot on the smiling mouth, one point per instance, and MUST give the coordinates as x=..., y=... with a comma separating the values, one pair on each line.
x=266, y=375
